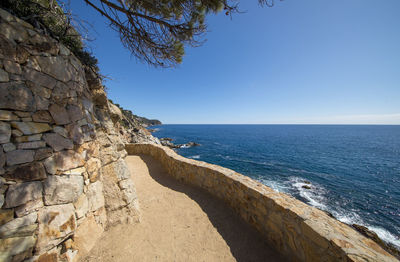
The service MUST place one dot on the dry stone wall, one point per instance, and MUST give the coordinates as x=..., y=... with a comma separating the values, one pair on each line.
x=63, y=178
x=298, y=231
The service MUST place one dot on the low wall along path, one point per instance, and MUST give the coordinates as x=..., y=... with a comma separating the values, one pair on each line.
x=294, y=229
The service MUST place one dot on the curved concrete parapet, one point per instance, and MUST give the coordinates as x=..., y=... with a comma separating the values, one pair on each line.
x=299, y=231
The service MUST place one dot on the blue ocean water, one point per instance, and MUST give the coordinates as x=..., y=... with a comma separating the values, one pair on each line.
x=354, y=170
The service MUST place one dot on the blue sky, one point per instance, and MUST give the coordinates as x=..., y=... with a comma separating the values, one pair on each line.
x=310, y=61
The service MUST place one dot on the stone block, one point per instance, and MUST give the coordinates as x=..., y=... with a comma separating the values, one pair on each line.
x=10, y=247
x=19, y=194
x=86, y=235
x=6, y=215
x=29, y=207
x=42, y=117
x=30, y=172
x=75, y=113
x=81, y=206
x=61, y=131
x=56, y=223
x=76, y=133
x=95, y=196
x=32, y=145
x=41, y=103
x=19, y=157
x=29, y=128
x=19, y=227
x=56, y=67
x=39, y=78
x=9, y=147
x=64, y=160
x=16, y=96
x=4, y=76
x=5, y=132
x=59, y=114
x=58, y=142
x=7, y=116
x=62, y=189
x=12, y=67
x=22, y=139
x=43, y=153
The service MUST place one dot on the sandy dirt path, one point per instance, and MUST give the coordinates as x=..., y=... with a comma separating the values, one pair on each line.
x=178, y=223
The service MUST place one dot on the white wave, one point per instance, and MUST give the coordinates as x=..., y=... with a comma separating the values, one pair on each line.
x=386, y=235
x=274, y=185
x=194, y=157
x=313, y=193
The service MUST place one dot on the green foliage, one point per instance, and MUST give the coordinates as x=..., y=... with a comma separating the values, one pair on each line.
x=157, y=31
x=50, y=16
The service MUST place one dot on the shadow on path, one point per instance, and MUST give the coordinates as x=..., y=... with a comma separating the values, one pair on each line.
x=245, y=243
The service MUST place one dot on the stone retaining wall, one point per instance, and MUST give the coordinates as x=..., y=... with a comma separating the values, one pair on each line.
x=63, y=177
x=299, y=231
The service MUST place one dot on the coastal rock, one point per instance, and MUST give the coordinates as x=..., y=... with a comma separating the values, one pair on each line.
x=19, y=194
x=62, y=189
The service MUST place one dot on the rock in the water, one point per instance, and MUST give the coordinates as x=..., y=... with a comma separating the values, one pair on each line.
x=306, y=187
x=62, y=189
x=19, y=194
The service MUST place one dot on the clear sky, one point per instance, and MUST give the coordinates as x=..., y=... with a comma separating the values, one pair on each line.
x=309, y=61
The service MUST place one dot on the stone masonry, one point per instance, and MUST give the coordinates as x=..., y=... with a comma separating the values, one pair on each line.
x=296, y=230
x=63, y=178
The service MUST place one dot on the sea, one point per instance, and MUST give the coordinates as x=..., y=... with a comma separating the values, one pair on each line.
x=350, y=171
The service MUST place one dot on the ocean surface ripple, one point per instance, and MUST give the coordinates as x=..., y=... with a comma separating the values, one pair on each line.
x=353, y=172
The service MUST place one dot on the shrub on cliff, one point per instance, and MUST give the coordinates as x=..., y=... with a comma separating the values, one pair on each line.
x=49, y=16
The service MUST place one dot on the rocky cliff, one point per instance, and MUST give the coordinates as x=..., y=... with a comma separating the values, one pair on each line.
x=63, y=178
